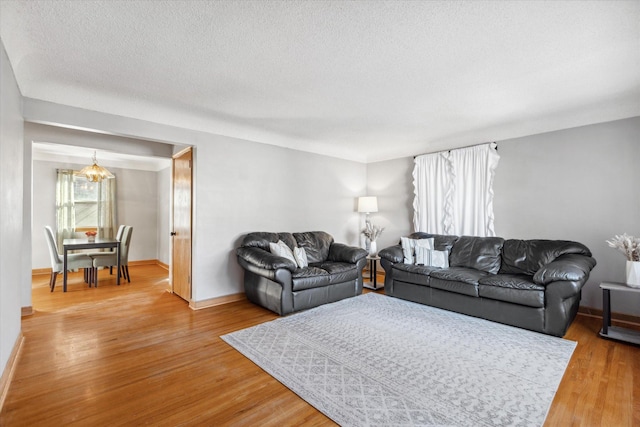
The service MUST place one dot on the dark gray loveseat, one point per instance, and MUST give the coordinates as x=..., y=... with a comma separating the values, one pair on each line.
x=532, y=284
x=278, y=284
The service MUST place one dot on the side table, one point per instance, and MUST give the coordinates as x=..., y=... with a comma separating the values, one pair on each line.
x=615, y=332
x=373, y=273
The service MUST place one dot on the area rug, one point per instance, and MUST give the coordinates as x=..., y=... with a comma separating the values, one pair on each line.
x=375, y=360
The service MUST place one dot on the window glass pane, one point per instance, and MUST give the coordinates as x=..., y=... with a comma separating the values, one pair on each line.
x=85, y=195
x=84, y=190
x=86, y=214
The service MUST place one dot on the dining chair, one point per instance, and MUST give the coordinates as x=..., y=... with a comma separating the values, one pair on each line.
x=74, y=261
x=109, y=259
x=111, y=251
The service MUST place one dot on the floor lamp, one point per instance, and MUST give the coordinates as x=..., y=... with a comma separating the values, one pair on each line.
x=367, y=205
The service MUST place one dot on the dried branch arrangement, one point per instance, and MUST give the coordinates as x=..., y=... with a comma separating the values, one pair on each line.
x=372, y=232
x=628, y=245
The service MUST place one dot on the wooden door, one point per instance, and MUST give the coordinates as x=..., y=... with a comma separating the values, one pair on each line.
x=181, y=234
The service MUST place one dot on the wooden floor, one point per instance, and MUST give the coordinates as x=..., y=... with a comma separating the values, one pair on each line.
x=136, y=354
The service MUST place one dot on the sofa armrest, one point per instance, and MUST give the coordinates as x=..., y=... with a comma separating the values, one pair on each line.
x=393, y=254
x=340, y=252
x=264, y=260
x=570, y=267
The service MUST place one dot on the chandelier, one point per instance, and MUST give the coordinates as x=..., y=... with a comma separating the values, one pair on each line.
x=95, y=172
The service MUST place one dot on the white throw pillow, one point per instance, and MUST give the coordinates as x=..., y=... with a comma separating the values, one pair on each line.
x=421, y=248
x=410, y=249
x=432, y=258
x=439, y=259
x=281, y=249
x=301, y=257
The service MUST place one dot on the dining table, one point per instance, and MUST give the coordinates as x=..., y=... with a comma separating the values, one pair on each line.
x=85, y=243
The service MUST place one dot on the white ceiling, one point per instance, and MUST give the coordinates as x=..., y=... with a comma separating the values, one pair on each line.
x=362, y=80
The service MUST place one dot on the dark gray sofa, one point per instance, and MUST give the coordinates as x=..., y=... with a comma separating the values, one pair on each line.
x=532, y=284
x=278, y=284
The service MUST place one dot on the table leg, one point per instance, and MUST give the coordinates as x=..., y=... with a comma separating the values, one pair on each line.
x=64, y=273
x=606, y=311
x=375, y=274
x=371, y=271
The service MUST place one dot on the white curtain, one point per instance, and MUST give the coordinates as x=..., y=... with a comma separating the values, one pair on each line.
x=432, y=184
x=107, y=208
x=65, y=208
x=454, y=191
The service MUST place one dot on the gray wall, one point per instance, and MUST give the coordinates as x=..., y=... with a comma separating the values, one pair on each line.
x=575, y=184
x=389, y=181
x=243, y=186
x=164, y=215
x=11, y=209
x=138, y=204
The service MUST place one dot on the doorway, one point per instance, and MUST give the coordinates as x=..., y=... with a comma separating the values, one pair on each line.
x=143, y=194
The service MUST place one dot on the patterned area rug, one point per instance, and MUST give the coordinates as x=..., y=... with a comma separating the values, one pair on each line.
x=375, y=360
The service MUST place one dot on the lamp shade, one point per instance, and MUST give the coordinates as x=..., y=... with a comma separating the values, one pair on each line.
x=368, y=204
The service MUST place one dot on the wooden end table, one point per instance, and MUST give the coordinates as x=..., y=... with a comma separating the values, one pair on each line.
x=616, y=332
x=373, y=273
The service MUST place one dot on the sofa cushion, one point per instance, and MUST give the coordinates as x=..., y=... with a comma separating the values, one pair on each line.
x=512, y=281
x=570, y=267
x=479, y=253
x=340, y=252
x=261, y=239
x=315, y=243
x=261, y=259
x=459, y=274
x=393, y=254
x=514, y=288
x=528, y=256
x=458, y=279
x=418, y=274
x=338, y=271
x=309, y=277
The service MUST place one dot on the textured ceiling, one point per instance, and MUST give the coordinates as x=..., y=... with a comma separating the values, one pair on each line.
x=365, y=80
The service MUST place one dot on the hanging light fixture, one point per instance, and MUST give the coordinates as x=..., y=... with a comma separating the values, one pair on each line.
x=95, y=172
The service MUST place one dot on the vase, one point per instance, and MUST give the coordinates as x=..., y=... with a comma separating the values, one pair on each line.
x=373, y=249
x=91, y=239
x=633, y=274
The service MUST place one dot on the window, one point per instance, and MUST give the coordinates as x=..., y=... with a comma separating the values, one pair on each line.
x=82, y=205
x=85, y=198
